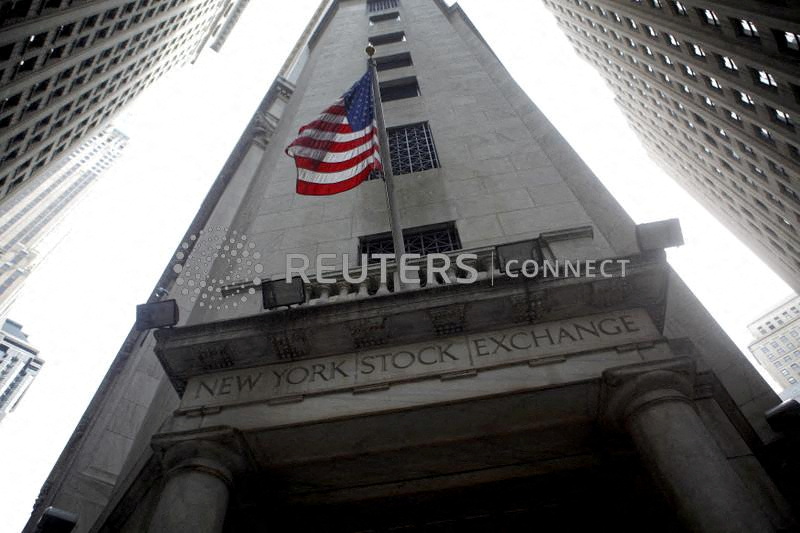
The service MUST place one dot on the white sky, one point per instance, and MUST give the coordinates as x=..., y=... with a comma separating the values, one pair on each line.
x=79, y=305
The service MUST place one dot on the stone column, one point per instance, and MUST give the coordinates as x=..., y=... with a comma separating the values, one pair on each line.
x=653, y=403
x=198, y=478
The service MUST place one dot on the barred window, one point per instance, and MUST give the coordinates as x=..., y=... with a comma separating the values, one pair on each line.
x=438, y=238
x=411, y=148
x=379, y=5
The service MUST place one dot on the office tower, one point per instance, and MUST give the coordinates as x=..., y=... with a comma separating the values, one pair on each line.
x=68, y=66
x=777, y=345
x=36, y=212
x=570, y=402
x=231, y=15
x=19, y=365
x=713, y=90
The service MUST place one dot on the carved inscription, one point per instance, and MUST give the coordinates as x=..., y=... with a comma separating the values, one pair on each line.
x=420, y=361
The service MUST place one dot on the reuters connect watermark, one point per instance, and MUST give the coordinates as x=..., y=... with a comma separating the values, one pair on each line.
x=356, y=269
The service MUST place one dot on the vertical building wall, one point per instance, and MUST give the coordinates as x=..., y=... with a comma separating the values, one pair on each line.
x=504, y=173
x=713, y=90
x=66, y=67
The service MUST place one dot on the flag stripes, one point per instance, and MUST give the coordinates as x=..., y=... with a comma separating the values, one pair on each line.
x=340, y=148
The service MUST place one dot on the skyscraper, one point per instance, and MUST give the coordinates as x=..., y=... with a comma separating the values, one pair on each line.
x=777, y=345
x=477, y=399
x=66, y=67
x=36, y=211
x=19, y=365
x=713, y=90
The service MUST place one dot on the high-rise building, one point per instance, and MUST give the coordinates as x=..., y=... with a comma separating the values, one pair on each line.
x=486, y=404
x=231, y=15
x=19, y=365
x=777, y=345
x=37, y=210
x=713, y=90
x=67, y=66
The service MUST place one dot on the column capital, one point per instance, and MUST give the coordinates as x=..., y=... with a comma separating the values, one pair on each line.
x=219, y=452
x=628, y=389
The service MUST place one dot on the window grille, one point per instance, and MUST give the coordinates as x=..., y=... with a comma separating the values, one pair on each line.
x=411, y=149
x=440, y=238
x=379, y=5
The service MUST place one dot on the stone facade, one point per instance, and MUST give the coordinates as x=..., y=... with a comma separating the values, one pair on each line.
x=488, y=405
x=712, y=89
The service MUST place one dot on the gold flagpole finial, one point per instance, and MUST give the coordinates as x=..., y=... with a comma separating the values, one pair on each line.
x=370, y=50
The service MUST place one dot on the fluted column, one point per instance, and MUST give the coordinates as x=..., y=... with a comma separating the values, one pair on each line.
x=653, y=403
x=198, y=477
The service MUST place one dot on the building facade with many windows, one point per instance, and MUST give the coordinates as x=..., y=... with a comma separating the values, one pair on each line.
x=28, y=222
x=713, y=90
x=777, y=345
x=19, y=365
x=474, y=400
x=66, y=67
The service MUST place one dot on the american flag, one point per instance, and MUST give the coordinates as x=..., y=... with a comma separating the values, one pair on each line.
x=339, y=149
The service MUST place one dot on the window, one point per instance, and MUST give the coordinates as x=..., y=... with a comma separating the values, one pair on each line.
x=656, y=3
x=747, y=28
x=713, y=83
x=763, y=133
x=379, y=5
x=733, y=115
x=727, y=63
x=439, y=238
x=399, y=89
x=782, y=117
x=689, y=71
x=698, y=50
x=411, y=148
x=394, y=61
x=388, y=38
x=789, y=193
x=789, y=41
x=709, y=17
x=764, y=78
x=386, y=17
x=672, y=40
x=746, y=100
x=650, y=31
x=679, y=8
x=632, y=24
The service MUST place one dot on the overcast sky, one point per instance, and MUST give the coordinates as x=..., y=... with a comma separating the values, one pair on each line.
x=79, y=305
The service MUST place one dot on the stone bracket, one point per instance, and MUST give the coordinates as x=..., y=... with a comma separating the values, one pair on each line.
x=368, y=332
x=448, y=319
x=290, y=344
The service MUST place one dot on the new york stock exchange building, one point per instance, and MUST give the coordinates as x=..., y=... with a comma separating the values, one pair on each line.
x=553, y=403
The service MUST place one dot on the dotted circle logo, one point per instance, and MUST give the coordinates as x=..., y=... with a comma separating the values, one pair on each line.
x=233, y=259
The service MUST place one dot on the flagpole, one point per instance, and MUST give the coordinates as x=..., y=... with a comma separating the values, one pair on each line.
x=388, y=176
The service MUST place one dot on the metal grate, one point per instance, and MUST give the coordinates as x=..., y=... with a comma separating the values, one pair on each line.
x=379, y=5
x=440, y=238
x=411, y=149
